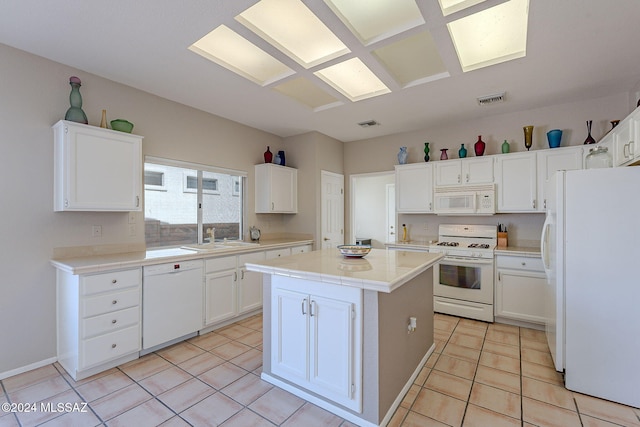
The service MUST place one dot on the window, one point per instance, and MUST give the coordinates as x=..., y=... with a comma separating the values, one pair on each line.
x=183, y=199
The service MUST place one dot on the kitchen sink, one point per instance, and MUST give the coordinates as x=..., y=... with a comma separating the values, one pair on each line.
x=204, y=247
x=233, y=243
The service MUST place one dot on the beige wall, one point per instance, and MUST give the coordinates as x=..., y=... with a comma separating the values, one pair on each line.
x=34, y=94
x=380, y=154
x=311, y=153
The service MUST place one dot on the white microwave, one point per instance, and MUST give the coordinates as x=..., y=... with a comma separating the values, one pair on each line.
x=465, y=200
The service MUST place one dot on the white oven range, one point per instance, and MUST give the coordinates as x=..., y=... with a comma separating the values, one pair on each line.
x=464, y=279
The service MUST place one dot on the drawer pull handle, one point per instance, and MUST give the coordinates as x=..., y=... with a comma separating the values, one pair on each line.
x=114, y=321
x=115, y=301
x=114, y=281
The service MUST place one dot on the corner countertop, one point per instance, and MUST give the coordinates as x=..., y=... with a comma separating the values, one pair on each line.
x=115, y=261
x=381, y=270
x=533, y=252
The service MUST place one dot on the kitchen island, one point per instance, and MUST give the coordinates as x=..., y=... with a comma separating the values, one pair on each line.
x=338, y=333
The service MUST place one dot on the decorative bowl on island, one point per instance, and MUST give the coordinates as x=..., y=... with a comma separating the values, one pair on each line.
x=354, y=251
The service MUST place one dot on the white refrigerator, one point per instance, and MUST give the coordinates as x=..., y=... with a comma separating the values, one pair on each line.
x=591, y=251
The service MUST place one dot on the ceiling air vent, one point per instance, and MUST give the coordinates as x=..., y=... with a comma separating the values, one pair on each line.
x=368, y=123
x=491, y=99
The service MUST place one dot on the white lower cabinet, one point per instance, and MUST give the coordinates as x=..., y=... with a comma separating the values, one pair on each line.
x=231, y=290
x=316, y=338
x=520, y=287
x=99, y=320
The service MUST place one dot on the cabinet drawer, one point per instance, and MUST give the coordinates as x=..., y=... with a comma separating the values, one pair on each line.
x=103, y=348
x=301, y=249
x=93, y=306
x=520, y=263
x=278, y=253
x=111, y=281
x=219, y=264
x=110, y=322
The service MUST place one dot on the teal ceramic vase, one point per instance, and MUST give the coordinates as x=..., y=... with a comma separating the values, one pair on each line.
x=462, y=152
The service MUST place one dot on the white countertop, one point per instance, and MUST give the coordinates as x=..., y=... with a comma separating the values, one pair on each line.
x=105, y=262
x=381, y=270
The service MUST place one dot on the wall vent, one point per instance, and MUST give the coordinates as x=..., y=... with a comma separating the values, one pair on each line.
x=368, y=123
x=491, y=99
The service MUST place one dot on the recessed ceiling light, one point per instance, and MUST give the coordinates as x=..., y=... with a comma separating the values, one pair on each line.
x=290, y=26
x=492, y=36
x=374, y=20
x=353, y=79
x=230, y=50
x=451, y=6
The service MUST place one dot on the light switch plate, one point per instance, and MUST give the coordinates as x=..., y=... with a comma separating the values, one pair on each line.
x=132, y=217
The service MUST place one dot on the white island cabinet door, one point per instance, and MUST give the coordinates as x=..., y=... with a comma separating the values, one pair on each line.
x=289, y=334
x=332, y=347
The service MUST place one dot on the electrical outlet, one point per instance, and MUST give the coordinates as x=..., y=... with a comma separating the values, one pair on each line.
x=132, y=217
x=96, y=231
x=132, y=230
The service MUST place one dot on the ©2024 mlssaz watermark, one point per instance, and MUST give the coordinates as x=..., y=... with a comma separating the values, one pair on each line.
x=61, y=407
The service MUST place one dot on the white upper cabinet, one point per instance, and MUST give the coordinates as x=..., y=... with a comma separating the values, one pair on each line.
x=626, y=139
x=516, y=182
x=552, y=160
x=276, y=189
x=468, y=171
x=96, y=169
x=414, y=188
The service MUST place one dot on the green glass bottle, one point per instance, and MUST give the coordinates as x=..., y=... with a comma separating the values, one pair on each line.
x=505, y=146
x=75, y=113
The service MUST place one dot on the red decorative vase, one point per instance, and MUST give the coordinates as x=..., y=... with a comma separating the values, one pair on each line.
x=268, y=156
x=478, y=147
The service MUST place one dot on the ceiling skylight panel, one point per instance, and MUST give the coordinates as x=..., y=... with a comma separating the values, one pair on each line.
x=290, y=26
x=413, y=60
x=492, y=36
x=230, y=50
x=305, y=92
x=374, y=20
x=451, y=6
x=353, y=79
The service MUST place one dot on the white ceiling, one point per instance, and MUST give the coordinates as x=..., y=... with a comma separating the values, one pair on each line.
x=577, y=49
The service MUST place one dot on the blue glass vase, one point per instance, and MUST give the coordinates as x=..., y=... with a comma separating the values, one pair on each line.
x=462, y=152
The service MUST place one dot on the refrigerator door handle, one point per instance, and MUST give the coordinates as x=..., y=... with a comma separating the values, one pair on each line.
x=544, y=241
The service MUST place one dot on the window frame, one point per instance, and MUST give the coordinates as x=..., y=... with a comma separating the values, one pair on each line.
x=200, y=168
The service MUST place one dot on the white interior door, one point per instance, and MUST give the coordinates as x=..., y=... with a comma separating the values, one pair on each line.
x=391, y=213
x=332, y=216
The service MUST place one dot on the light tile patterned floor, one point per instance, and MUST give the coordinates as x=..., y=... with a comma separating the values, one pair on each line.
x=481, y=375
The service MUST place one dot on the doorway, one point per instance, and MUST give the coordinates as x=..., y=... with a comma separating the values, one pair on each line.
x=373, y=213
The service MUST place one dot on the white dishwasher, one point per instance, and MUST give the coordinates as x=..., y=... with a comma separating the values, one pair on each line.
x=171, y=302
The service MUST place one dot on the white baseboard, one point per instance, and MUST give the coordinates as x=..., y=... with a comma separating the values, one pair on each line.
x=346, y=414
x=23, y=369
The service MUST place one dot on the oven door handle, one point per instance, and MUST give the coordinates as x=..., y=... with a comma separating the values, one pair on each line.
x=466, y=261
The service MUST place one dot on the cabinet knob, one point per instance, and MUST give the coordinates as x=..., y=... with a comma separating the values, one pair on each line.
x=113, y=345
x=114, y=321
x=114, y=281
x=115, y=301
x=524, y=263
